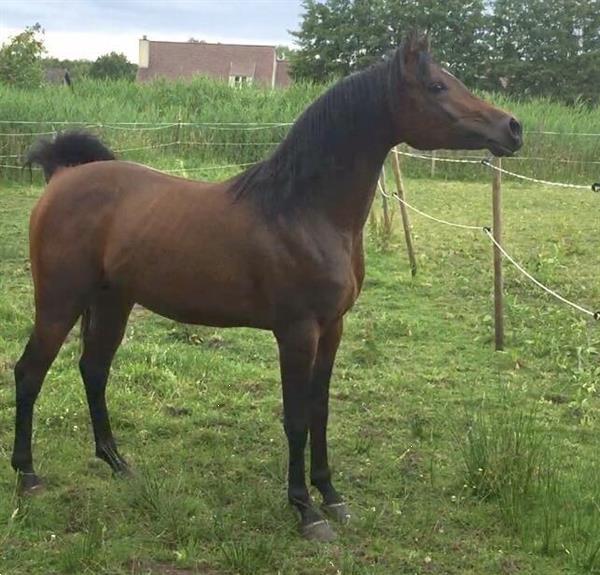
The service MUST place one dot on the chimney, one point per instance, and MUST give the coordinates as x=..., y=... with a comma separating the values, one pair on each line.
x=144, y=52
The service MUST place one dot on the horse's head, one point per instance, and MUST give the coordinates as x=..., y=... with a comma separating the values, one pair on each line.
x=435, y=110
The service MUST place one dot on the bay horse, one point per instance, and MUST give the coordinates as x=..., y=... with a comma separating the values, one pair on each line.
x=279, y=247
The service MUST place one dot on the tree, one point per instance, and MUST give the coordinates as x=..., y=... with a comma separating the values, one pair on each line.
x=323, y=52
x=113, y=66
x=457, y=28
x=523, y=47
x=542, y=48
x=340, y=36
x=77, y=68
x=283, y=52
x=21, y=58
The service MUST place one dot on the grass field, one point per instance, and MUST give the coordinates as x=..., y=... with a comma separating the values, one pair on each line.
x=455, y=459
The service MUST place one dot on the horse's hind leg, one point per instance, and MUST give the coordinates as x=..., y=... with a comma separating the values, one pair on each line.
x=103, y=327
x=48, y=335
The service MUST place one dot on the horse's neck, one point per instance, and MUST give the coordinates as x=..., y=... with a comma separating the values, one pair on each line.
x=354, y=132
x=351, y=193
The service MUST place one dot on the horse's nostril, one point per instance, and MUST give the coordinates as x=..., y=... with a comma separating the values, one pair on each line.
x=515, y=128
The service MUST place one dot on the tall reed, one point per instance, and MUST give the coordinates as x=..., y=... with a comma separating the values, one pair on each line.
x=562, y=157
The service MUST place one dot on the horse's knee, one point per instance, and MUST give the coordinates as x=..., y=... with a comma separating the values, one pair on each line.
x=24, y=361
x=85, y=368
x=296, y=430
x=27, y=383
x=94, y=374
x=20, y=371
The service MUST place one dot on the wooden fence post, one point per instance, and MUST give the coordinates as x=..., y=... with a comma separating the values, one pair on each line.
x=373, y=218
x=178, y=133
x=497, y=233
x=387, y=220
x=433, y=154
x=404, y=213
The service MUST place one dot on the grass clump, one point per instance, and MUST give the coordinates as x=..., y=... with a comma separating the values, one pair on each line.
x=509, y=458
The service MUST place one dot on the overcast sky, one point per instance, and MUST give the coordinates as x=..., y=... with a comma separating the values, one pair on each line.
x=89, y=28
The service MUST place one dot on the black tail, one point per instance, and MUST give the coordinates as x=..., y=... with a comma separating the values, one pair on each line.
x=66, y=149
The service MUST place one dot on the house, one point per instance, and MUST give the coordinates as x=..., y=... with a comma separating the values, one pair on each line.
x=236, y=64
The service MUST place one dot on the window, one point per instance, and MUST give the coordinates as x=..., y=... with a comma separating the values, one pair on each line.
x=239, y=81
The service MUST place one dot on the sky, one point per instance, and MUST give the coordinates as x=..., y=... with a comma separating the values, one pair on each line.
x=89, y=28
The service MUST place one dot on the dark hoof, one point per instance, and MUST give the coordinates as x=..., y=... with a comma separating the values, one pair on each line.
x=29, y=484
x=337, y=511
x=318, y=531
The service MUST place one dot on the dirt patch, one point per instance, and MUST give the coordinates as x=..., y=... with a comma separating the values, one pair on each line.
x=509, y=566
x=177, y=411
x=557, y=398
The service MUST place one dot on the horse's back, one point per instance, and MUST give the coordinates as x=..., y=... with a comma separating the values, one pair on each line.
x=83, y=196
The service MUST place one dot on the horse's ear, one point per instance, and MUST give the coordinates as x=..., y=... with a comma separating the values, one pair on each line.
x=414, y=45
x=410, y=43
x=424, y=43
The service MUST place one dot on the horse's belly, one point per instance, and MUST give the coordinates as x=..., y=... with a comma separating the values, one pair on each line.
x=192, y=270
x=215, y=318
x=204, y=299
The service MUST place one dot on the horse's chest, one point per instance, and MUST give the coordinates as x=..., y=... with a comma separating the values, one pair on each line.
x=323, y=274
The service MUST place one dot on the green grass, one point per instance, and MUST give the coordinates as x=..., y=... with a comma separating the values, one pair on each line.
x=455, y=459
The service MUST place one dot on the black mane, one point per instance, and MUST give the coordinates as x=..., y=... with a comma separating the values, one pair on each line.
x=323, y=141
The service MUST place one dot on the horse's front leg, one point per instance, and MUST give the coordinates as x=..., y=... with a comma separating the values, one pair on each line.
x=298, y=345
x=320, y=474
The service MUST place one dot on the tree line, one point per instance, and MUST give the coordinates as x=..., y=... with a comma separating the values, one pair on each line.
x=519, y=47
x=23, y=62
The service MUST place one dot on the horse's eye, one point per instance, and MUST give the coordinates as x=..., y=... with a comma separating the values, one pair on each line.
x=437, y=87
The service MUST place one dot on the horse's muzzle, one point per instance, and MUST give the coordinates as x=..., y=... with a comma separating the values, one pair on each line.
x=510, y=138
